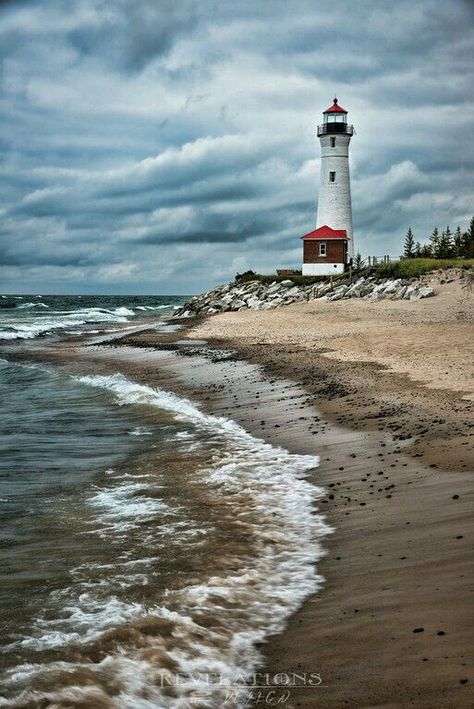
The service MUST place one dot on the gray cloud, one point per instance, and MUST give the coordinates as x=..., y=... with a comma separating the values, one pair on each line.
x=161, y=146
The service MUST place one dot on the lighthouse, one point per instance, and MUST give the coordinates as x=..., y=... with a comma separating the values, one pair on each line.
x=328, y=248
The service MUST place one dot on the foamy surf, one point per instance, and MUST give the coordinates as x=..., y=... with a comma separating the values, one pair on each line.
x=211, y=626
x=26, y=319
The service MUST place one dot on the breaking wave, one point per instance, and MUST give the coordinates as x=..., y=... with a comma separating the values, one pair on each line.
x=212, y=625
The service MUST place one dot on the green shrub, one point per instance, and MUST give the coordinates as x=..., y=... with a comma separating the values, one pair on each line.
x=414, y=267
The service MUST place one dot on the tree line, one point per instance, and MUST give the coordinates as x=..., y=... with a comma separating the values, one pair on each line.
x=442, y=245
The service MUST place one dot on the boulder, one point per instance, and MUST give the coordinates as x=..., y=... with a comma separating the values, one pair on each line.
x=238, y=304
x=292, y=292
x=380, y=287
x=391, y=287
x=374, y=296
x=400, y=293
x=422, y=292
x=274, y=287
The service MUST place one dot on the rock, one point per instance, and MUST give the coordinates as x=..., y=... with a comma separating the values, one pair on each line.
x=422, y=292
x=355, y=289
x=238, y=305
x=274, y=287
x=391, y=287
x=380, y=287
x=353, y=293
x=286, y=283
x=400, y=293
x=374, y=296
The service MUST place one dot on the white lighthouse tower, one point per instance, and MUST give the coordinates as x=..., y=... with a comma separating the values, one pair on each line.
x=333, y=234
x=334, y=203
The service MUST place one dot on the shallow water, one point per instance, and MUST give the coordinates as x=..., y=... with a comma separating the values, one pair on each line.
x=142, y=537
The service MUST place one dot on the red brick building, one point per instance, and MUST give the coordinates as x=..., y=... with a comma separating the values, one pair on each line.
x=324, y=251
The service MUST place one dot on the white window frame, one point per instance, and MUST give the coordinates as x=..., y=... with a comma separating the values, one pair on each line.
x=322, y=249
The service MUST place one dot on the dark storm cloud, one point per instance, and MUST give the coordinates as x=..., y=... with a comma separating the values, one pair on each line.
x=128, y=34
x=163, y=145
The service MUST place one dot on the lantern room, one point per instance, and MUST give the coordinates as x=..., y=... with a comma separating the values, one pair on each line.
x=335, y=120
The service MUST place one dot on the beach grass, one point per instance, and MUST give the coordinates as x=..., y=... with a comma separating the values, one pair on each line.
x=414, y=267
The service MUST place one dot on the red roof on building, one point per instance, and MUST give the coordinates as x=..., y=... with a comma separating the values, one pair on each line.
x=325, y=232
x=335, y=108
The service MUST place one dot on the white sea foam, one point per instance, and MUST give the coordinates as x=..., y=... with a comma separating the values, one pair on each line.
x=140, y=431
x=126, y=506
x=23, y=306
x=58, y=320
x=267, y=493
x=89, y=617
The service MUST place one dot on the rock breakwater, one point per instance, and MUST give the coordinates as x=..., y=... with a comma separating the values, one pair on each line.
x=256, y=295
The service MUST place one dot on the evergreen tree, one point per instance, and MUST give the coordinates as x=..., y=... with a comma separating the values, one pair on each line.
x=445, y=244
x=417, y=249
x=359, y=262
x=409, y=247
x=435, y=241
x=458, y=242
x=468, y=241
x=426, y=251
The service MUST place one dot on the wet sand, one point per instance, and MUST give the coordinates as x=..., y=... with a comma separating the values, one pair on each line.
x=394, y=624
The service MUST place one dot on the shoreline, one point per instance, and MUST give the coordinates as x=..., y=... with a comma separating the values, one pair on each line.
x=397, y=561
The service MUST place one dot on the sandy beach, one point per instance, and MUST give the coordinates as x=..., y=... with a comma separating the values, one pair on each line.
x=393, y=625
x=383, y=394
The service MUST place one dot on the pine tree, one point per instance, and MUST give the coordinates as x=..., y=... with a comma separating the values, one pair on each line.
x=435, y=241
x=417, y=249
x=426, y=251
x=468, y=241
x=359, y=262
x=408, y=251
x=445, y=244
x=458, y=242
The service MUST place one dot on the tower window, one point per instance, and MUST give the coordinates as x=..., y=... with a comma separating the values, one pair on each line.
x=333, y=142
x=332, y=177
x=322, y=249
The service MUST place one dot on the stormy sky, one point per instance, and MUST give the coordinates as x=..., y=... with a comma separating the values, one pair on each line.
x=160, y=146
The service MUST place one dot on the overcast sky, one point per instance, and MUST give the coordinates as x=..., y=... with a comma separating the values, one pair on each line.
x=155, y=146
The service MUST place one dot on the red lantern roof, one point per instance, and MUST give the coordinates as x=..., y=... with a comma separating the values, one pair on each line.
x=325, y=232
x=335, y=108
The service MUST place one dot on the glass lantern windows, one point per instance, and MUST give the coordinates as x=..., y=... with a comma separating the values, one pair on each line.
x=335, y=118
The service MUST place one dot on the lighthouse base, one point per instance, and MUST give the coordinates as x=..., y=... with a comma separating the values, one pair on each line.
x=322, y=269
